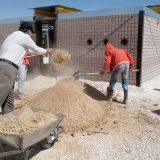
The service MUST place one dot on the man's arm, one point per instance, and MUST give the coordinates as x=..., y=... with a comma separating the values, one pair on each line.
x=107, y=63
x=34, y=49
x=131, y=61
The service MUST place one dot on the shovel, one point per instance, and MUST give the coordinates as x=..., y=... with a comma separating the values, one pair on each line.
x=77, y=74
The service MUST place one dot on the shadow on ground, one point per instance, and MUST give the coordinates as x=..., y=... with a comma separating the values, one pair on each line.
x=93, y=92
x=157, y=111
x=21, y=156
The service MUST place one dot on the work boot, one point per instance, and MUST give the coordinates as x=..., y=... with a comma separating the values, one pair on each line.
x=125, y=101
x=109, y=94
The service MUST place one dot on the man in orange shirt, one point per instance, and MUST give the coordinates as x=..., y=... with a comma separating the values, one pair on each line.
x=120, y=62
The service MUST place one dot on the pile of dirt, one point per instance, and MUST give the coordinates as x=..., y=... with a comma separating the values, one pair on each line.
x=26, y=121
x=81, y=110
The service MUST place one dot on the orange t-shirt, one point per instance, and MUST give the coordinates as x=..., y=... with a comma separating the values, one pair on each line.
x=115, y=57
x=26, y=60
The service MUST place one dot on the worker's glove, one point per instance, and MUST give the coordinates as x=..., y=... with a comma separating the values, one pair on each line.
x=130, y=68
x=102, y=72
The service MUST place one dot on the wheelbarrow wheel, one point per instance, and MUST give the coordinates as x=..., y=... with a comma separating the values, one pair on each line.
x=44, y=143
x=50, y=140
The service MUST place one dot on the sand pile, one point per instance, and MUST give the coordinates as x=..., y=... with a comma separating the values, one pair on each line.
x=80, y=109
x=27, y=121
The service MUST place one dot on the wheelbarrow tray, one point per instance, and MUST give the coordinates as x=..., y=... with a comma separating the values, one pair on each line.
x=28, y=139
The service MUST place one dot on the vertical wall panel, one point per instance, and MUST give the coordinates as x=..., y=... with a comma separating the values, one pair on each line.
x=151, y=49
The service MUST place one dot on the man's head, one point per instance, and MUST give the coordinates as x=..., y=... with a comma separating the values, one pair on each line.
x=25, y=26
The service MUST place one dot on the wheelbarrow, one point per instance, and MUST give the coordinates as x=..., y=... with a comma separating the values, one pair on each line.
x=47, y=135
x=78, y=74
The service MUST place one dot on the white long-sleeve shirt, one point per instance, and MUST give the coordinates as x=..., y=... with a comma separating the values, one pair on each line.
x=16, y=45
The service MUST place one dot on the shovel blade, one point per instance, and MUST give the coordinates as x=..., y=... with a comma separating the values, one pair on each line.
x=76, y=73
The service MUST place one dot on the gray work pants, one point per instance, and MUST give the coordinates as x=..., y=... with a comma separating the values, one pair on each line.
x=8, y=75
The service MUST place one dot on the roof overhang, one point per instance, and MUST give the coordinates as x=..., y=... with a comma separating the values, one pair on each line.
x=52, y=11
x=155, y=8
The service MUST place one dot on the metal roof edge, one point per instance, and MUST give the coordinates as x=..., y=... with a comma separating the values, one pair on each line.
x=108, y=12
x=56, y=6
x=152, y=13
x=16, y=20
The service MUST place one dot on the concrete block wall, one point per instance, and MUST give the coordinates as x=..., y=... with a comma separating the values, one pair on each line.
x=73, y=34
x=6, y=29
x=151, y=49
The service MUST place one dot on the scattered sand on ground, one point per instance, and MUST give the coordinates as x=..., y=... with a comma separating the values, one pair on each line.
x=125, y=131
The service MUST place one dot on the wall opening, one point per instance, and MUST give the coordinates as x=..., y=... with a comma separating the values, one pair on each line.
x=89, y=41
x=124, y=41
x=105, y=41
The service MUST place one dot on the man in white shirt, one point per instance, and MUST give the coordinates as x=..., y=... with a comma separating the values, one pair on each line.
x=12, y=54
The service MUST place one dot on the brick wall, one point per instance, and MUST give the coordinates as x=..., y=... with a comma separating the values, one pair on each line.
x=6, y=29
x=72, y=35
x=151, y=49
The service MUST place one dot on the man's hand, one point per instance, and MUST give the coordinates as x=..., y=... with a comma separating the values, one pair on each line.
x=102, y=72
x=130, y=68
x=50, y=51
x=158, y=22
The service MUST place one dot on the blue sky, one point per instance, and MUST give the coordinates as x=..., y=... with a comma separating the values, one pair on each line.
x=20, y=8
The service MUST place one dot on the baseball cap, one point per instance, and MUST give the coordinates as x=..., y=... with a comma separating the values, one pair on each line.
x=26, y=25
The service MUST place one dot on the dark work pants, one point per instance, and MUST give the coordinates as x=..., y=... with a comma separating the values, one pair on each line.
x=8, y=75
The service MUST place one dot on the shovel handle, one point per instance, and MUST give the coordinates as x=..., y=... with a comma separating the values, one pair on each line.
x=92, y=73
x=134, y=70
x=30, y=56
